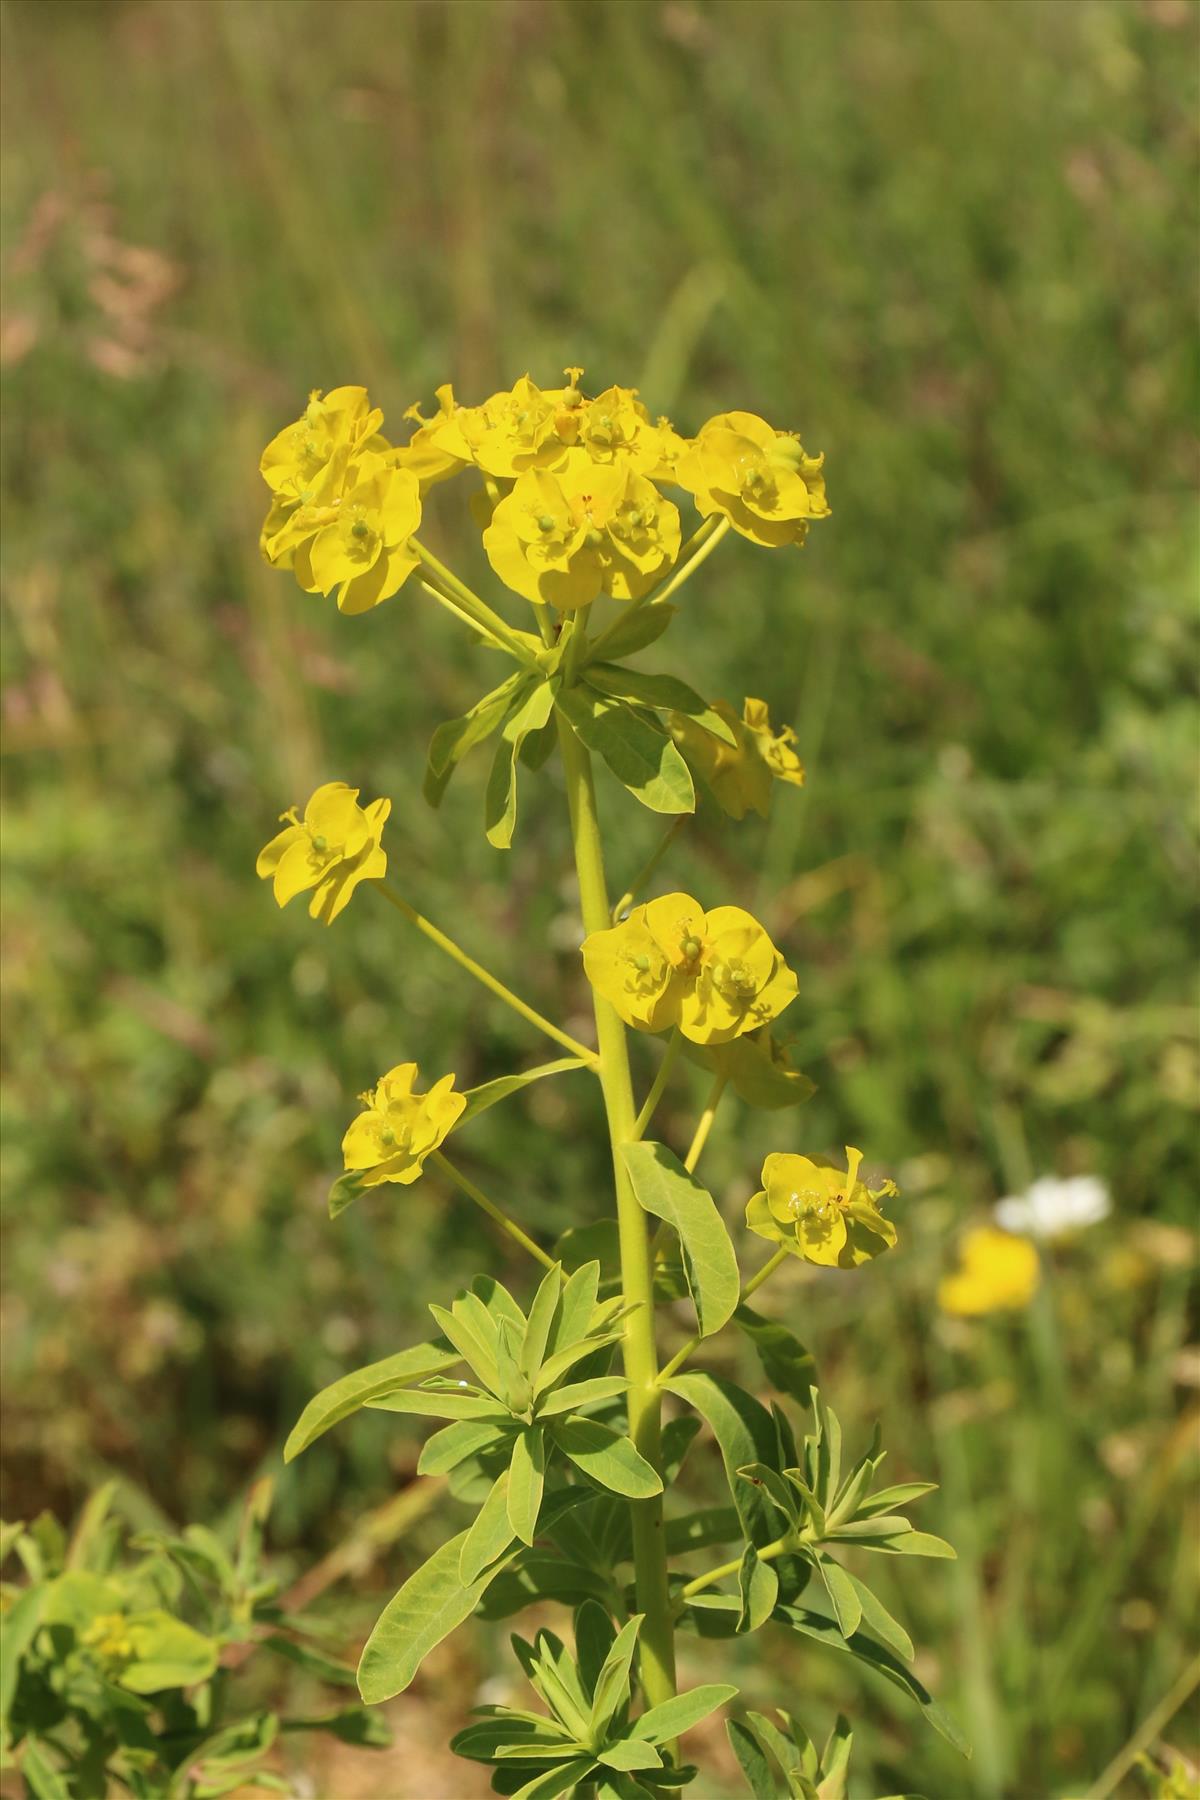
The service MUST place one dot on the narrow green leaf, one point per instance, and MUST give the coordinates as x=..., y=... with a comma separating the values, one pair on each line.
x=553, y=1782
x=638, y=628
x=489, y=1535
x=556, y=1366
x=43, y=1780
x=540, y=1575
x=473, y=1347
x=500, y=803
x=595, y=1635
x=313, y=1662
x=778, y=1491
x=875, y=1656
x=902, y=1543
x=664, y=1187
x=663, y=692
x=541, y=1319
x=426, y=1609
x=877, y=1619
x=629, y=1753
x=606, y=1456
x=455, y=1444
x=479, y=1098
x=639, y=753
x=751, y=1761
x=166, y=1654
x=758, y=1589
x=787, y=1365
x=346, y=1396
x=526, y=1479
x=451, y=741
x=838, y=1585
x=885, y=1499
x=18, y=1627
x=575, y=1306
x=745, y=1434
x=797, y=1759
x=612, y=1684
x=671, y=1718
x=581, y=1393
x=700, y=1530
x=816, y=1511
x=439, y=1403
x=345, y=1191
x=497, y=1302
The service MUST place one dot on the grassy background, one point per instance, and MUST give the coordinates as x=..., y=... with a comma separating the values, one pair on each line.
x=951, y=242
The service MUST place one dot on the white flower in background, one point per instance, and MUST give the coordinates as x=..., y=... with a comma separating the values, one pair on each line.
x=1052, y=1208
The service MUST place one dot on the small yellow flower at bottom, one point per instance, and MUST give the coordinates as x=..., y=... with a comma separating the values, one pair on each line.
x=997, y=1273
x=821, y=1214
x=392, y=1138
x=336, y=845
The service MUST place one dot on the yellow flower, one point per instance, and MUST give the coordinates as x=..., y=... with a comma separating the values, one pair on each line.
x=296, y=457
x=585, y=528
x=511, y=432
x=740, y=774
x=997, y=1272
x=336, y=845
x=360, y=541
x=759, y=478
x=713, y=974
x=615, y=428
x=821, y=1214
x=437, y=448
x=392, y=1138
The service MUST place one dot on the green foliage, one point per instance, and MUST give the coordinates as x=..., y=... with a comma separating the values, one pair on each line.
x=111, y=1656
x=762, y=1748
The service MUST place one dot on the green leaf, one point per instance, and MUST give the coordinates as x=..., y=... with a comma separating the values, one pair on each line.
x=345, y=1191
x=426, y=1609
x=490, y=1534
x=451, y=741
x=612, y=1688
x=884, y=1499
x=606, y=1456
x=454, y=1444
x=877, y=1618
x=838, y=1585
x=595, y=1635
x=439, y=1403
x=874, y=1656
x=542, y=1313
x=553, y=1782
x=313, y=1662
x=638, y=628
x=640, y=754
x=166, y=1654
x=664, y=1187
x=700, y=1530
x=745, y=1434
x=793, y=1750
x=786, y=1364
x=671, y=1718
x=473, y=1338
x=540, y=1575
x=346, y=1396
x=758, y=1589
x=18, y=1628
x=664, y=692
x=479, y=1098
x=526, y=1479
x=556, y=1366
x=753, y=1764
x=500, y=802
x=350, y=1725
x=581, y=1393
x=576, y=1304
x=43, y=1780
x=629, y=1753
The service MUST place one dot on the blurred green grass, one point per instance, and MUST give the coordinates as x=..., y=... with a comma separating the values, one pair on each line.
x=949, y=241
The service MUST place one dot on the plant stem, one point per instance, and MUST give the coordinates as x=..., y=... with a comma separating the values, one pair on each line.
x=1150, y=1728
x=476, y=608
x=704, y=1125
x=487, y=978
x=464, y=618
x=670, y=1058
x=657, y=1640
x=646, y=871
x=755, y=1282
x=491, y=1209
x=767, y=1554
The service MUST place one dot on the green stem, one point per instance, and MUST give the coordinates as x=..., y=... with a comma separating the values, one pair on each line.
x=768, y=1553
x=464, y=618
x=754, y=1283
x=476, y=608
x=657, y=1641
x=670, y=1058
x=699, y=1139
x=646, y=871
x=487, y=978
x=491, y=1209
x=701, y=544
x=1150, y=1728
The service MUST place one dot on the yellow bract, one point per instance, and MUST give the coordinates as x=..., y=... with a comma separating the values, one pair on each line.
x=585, y=528
x=334, y=847
x=740, y=775
x=713, y=974
x=760, y=479
x=998, y=1272
x=344, y=508
x=823, y=1215
x=390, y=1140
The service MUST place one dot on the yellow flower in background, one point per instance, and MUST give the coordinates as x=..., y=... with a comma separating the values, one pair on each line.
x=821, y=1214
x=740, y=775
x=760, y=479
x=713, y=974
x=336, y=845
x=566, y=535
x=361, y=544
x=390, y=1140
x=997, y=1273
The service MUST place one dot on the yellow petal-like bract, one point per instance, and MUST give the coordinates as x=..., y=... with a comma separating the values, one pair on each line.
x=331, y=849
x=740, y=775
x=758, y=478
x=824, y=1215
x=392, y=1136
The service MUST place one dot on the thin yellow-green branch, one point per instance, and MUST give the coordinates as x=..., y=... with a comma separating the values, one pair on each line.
x=485, y=976
x=704, y=539
x=1146, y=1732
x=475, y=607
x=704, y=1124
x=768, y=1553
x=670, y=1058
x=491, y=1209
x=750, y=1287
x=646, y=871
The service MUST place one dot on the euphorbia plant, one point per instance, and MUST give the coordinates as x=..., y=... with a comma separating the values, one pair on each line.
x=551, y=1407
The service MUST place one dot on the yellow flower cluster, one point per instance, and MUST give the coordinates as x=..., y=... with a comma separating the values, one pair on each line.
x=821, y=1214
x=336, y=845
x=713, y=974
x=343, y=508
x=758, y=478
x=390, y=1140
x=740, y=775
x=998, y=1273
